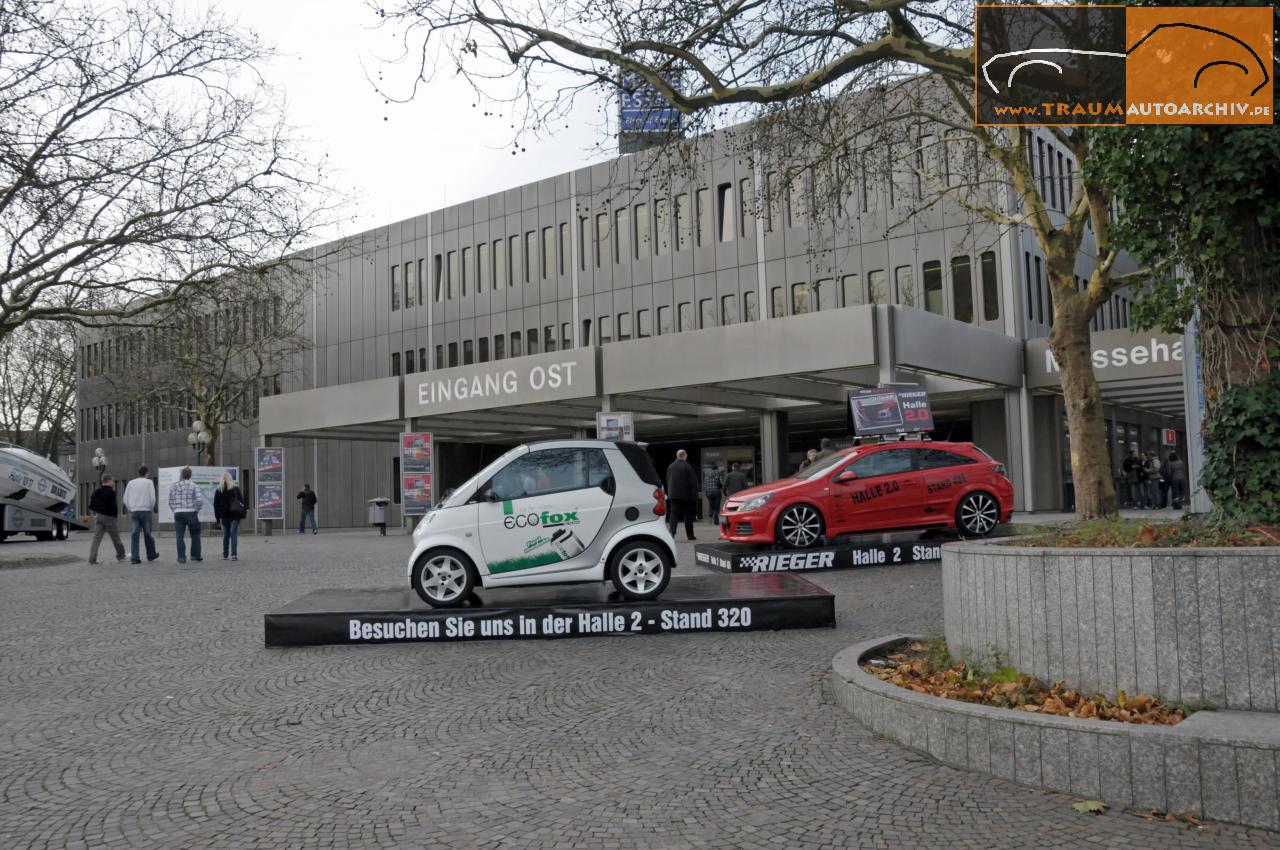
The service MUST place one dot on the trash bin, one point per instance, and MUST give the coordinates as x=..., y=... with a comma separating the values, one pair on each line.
x=378, y=513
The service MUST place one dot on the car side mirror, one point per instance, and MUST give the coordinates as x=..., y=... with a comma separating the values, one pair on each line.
x=846, y=475
x=490, y=496
x=608, y=485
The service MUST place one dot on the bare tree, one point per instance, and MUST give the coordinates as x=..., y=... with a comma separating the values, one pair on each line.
x=211, y=355
x=38, y=387
x=798, y=66
x=141, y=154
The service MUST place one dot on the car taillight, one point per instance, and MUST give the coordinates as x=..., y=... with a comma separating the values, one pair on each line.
x=659, y=502
x=999, y=467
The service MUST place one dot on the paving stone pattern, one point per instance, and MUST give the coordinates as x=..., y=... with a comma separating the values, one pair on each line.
x=1200, y=628
x=140, y=709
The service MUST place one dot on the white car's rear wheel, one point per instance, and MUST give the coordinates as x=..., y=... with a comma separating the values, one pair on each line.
x=640, y=570
x=444, y=578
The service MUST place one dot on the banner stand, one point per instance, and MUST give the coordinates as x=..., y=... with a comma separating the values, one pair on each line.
x=268, y=486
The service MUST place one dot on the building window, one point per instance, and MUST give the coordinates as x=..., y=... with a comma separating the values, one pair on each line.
x=824, y=291
x=464, y=271
x=725, y=209
x=932, y=276
x=501, y=273
x=878, y=287
x=1039, y=293
x=468, y=352
x=620, y=228
x=422, y=360
x=990, y=288
x=602, y=237
x=440, y=357
x=644, y=324
x=662, y=226
x=604, y=329
x=773, y=200
x=516, y=344
x=684, y=316
x=451, y=275
x=566, y=336
x=395, y=289
x=482, y=267
x=586, y=332
x=702, y=209
x=778, y=303
x=513, y=259
x=728, y=309
x=453, y=354
x=707, y=313
x=962, y=288
x=582, y=242
x=750, y=306
x=395, y=363
x=795, y=199
x=745, y=203
x=531, y=341
x=408, y=362
x=1053, y=183
x=563, y=251
x=408, y=285
x=664, y=320
x=482, y=349
x=624, y=327
x=530, y=256
x=421, y=287
x=642, y=234
x=684, y=222
x=905, y=284
x=1064, y=183
x=499, y=347
x=799, y=298
x=548, y=251
x=437, y=278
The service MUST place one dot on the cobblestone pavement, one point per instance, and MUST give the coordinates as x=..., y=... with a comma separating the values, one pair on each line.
x=140, y=709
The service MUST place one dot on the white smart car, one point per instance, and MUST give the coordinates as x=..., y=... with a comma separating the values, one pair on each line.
x=563, y=511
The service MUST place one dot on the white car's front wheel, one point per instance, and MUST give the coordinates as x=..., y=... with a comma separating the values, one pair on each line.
x=444, y=578
x=641, y=570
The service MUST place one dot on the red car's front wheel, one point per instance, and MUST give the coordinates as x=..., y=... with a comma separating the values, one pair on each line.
x=800, y=526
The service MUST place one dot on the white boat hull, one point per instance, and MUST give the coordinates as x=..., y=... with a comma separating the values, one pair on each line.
x=28, y=480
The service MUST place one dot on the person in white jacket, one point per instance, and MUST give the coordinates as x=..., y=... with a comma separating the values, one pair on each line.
x=140, y=502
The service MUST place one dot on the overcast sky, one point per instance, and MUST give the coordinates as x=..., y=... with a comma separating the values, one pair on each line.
x=400, y=160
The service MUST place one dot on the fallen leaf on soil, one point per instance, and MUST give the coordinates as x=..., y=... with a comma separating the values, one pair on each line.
x=1096, y=807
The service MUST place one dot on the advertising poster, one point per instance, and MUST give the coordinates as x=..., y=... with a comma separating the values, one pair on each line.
x=897, y=409
x=415, y=454
x=206, y=478
x=268, y=463
x=417, y=476
x=415, y=494
x=615, y=427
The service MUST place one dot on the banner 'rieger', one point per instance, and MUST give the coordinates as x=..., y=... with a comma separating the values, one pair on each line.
x=417, y=477
x=268, y=483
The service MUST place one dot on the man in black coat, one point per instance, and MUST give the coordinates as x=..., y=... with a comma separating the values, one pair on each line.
x=682, y=493
x=106, y=513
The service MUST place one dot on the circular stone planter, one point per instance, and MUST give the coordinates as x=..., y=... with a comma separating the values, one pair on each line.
x=1195, y=626
x=1220, y=765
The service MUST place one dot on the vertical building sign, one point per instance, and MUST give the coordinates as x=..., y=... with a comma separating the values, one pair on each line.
x=268, y=482
x=417, y=474
x=645, y=117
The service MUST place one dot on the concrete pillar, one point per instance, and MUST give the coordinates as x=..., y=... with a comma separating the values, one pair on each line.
x=885, y=358
x=1020, y=442
x=773, y=445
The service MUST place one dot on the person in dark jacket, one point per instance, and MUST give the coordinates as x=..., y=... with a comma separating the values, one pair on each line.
x=106, y=513
x=682, y=493
x=1176, y=472
x=308, y=497
x=229, y=509
x=736, y=480
x=825, y=449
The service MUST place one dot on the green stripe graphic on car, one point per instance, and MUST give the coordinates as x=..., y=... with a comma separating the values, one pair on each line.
x=507, y=510
x=524, y=562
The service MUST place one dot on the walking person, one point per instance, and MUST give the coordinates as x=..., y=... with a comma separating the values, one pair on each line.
x=1151, y=471
x=229, y=509
x=185, y=500
x=1132, y=469
x=1176, y=470
x=106, y=513
x=736, y=480
x=308, y=497
x=140, y=502
x=712, y=486
x=682, y=493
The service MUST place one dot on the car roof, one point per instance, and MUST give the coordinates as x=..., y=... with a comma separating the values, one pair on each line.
x=573, y=444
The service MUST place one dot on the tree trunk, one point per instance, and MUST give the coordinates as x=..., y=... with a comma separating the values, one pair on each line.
x=1069, y=341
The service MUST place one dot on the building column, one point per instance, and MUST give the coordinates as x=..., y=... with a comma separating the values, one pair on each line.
x=773, y=445
x=1020, y=442
x=886, y=360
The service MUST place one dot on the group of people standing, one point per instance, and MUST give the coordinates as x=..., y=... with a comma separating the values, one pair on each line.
x=682, y=491
x=1150, y=483
x=185, y=500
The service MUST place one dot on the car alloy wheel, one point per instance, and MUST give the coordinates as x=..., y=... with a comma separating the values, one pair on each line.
x=978, y=514
x=800, y=526
x=443, y=580
x=640, y=570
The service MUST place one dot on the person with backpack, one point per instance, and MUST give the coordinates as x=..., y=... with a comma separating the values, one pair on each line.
x=229, y=509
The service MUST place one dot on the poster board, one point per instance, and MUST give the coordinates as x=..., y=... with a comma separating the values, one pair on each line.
x=206, y=478
x=268, y=464
x=890, y=409
x=417, y=473
x=615, y=426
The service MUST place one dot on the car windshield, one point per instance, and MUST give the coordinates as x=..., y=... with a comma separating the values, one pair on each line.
x=462, y=492
x=820, y=467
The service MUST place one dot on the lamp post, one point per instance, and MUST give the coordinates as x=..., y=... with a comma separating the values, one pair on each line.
x=198, y=439
x=99, y=463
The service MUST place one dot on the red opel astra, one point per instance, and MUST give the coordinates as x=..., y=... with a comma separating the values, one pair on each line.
x=876, y=487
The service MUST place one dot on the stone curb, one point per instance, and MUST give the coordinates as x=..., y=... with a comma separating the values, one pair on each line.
x=1187, y=768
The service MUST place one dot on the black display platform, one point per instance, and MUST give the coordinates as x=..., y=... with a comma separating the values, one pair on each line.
x=707, y=603
x=862, y=550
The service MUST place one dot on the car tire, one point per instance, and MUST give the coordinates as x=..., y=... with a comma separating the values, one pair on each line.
x=977, y=515
x=800, y=526
x=444, y=578
x=640, y=570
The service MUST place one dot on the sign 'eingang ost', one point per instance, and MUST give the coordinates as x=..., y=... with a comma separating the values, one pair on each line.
x=531, y=380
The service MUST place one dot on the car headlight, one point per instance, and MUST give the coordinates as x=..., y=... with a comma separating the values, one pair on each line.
x=755, y=502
